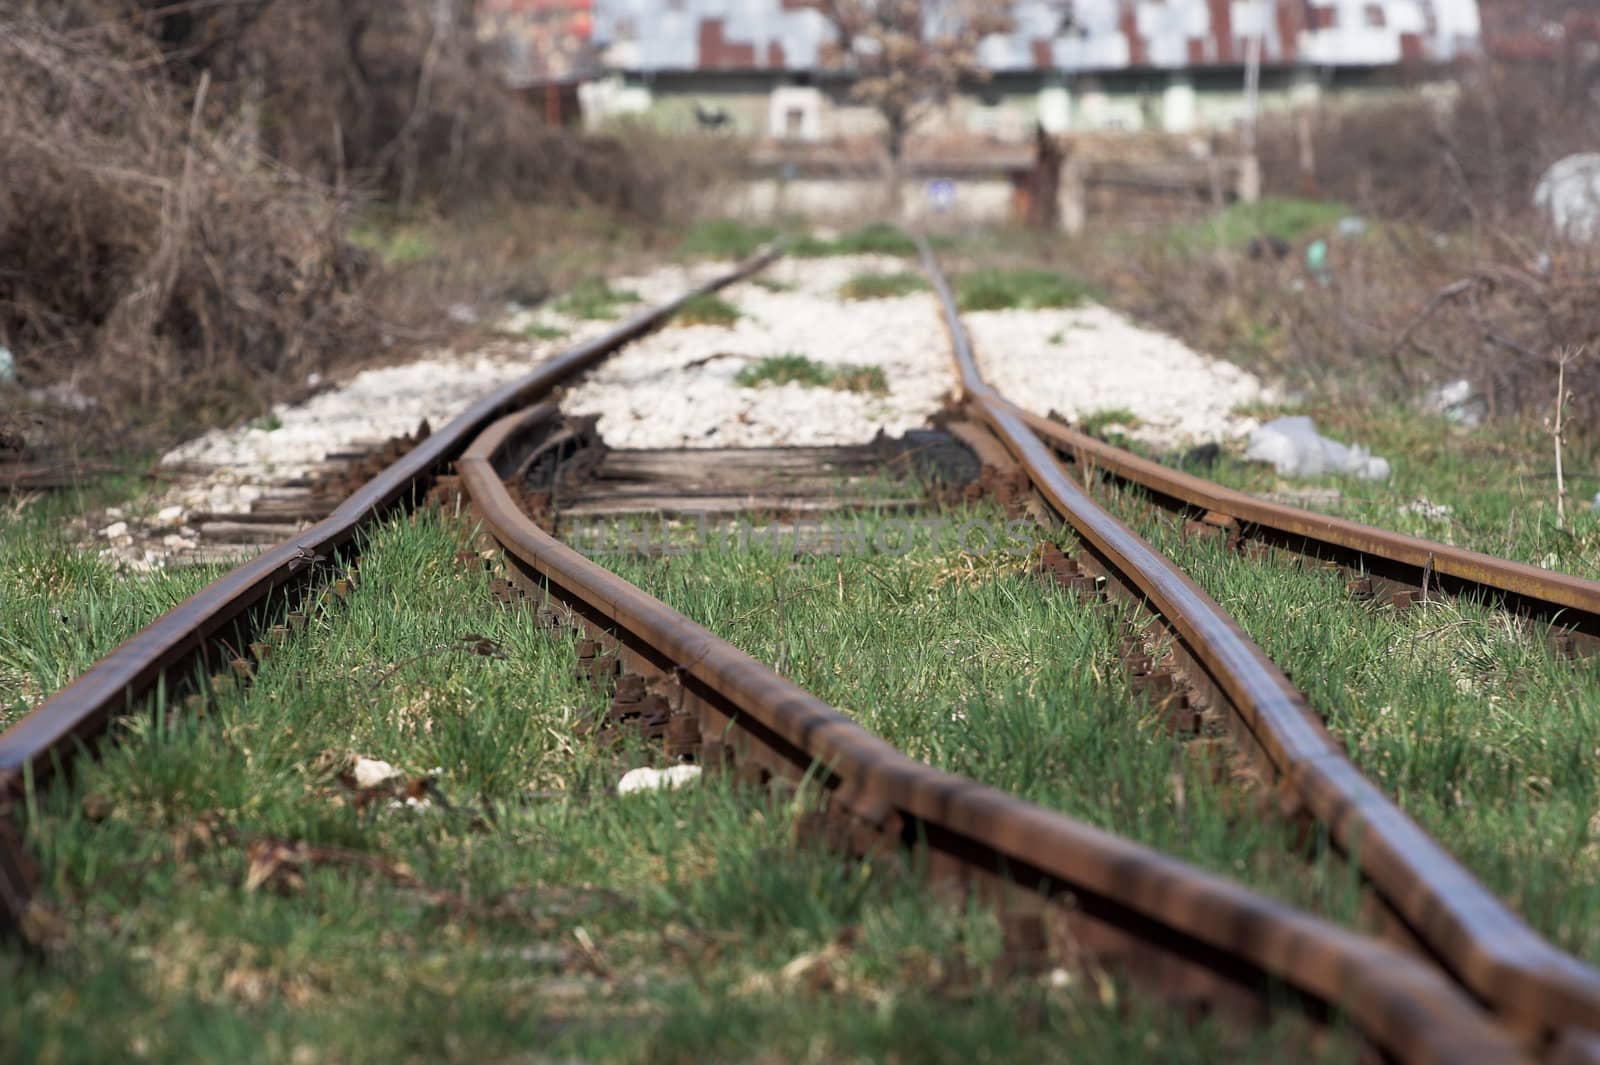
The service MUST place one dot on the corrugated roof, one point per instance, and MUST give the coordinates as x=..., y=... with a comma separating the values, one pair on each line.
x=1105, y=35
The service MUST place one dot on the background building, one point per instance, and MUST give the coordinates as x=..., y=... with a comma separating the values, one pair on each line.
x=1171, y=65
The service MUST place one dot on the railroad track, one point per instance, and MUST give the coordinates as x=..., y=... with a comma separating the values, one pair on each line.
x=1468, y=981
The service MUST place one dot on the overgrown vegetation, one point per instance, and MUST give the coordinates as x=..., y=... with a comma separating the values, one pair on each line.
x=223, y=891
x=1490, y=489
x=146, y=250
x=800, y=370
x=182, y=192
x=1449, y=272
x=1476, y=728
x=882, y=286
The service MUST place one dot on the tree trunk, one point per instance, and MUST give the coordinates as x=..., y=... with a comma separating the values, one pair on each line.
x=894, y=143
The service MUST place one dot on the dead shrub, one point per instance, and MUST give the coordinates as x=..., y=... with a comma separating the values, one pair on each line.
x=1471, y=156
x=180, y=174
x=401, y=101
x=149, y=266
x=1456, y=276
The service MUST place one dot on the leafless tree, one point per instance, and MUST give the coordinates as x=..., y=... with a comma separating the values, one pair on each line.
x=908, y=57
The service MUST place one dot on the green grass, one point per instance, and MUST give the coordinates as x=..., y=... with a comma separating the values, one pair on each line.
x=1471, y=725
x=1459, y=714
x=537, y=913
x=965, y=662
x=62, y=606
x=882, y=286
x=541, y=912
x=995, y=289
x=798, y=369
x=593, y=298
x=707, y=310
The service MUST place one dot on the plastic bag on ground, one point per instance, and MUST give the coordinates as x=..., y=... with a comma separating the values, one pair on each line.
x=1296, y=449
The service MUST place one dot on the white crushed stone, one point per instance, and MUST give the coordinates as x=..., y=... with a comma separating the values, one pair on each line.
x=676, y=388
x=636, y=781
x=378, y=404
x=1083, y=360
x=226, y=471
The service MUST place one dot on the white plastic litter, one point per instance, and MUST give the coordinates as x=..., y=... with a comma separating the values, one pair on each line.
x=369, y=772
x=1569, y=193
x=1596, y=503
x=1295, y=449
x=8, y=364
x=1456, y=401
x=647, y=779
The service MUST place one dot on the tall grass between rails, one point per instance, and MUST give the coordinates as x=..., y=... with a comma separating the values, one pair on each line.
x=1460, y=714
x=220, y=895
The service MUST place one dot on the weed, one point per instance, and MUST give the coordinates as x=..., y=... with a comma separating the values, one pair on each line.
x=726, y=238
x=268, y=423
x=594, y=298
x=882, y=286
x=877, y=238
x=1096, y=423
x=707, y=310
x=797, y=369
x=993, y=289
x=544, y=331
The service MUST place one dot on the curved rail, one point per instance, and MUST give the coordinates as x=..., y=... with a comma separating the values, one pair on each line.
x=169, y=648
x=1402, y=1006
x=1560, y=598
x=1484, y=944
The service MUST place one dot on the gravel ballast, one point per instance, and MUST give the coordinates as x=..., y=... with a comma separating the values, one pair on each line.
x=679, y=387
x=1086, y=360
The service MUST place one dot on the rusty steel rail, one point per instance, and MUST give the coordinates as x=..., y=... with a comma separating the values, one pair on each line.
x=1197, y=925
x=1571, y=603
x=1536, y=989
x=176, y=646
